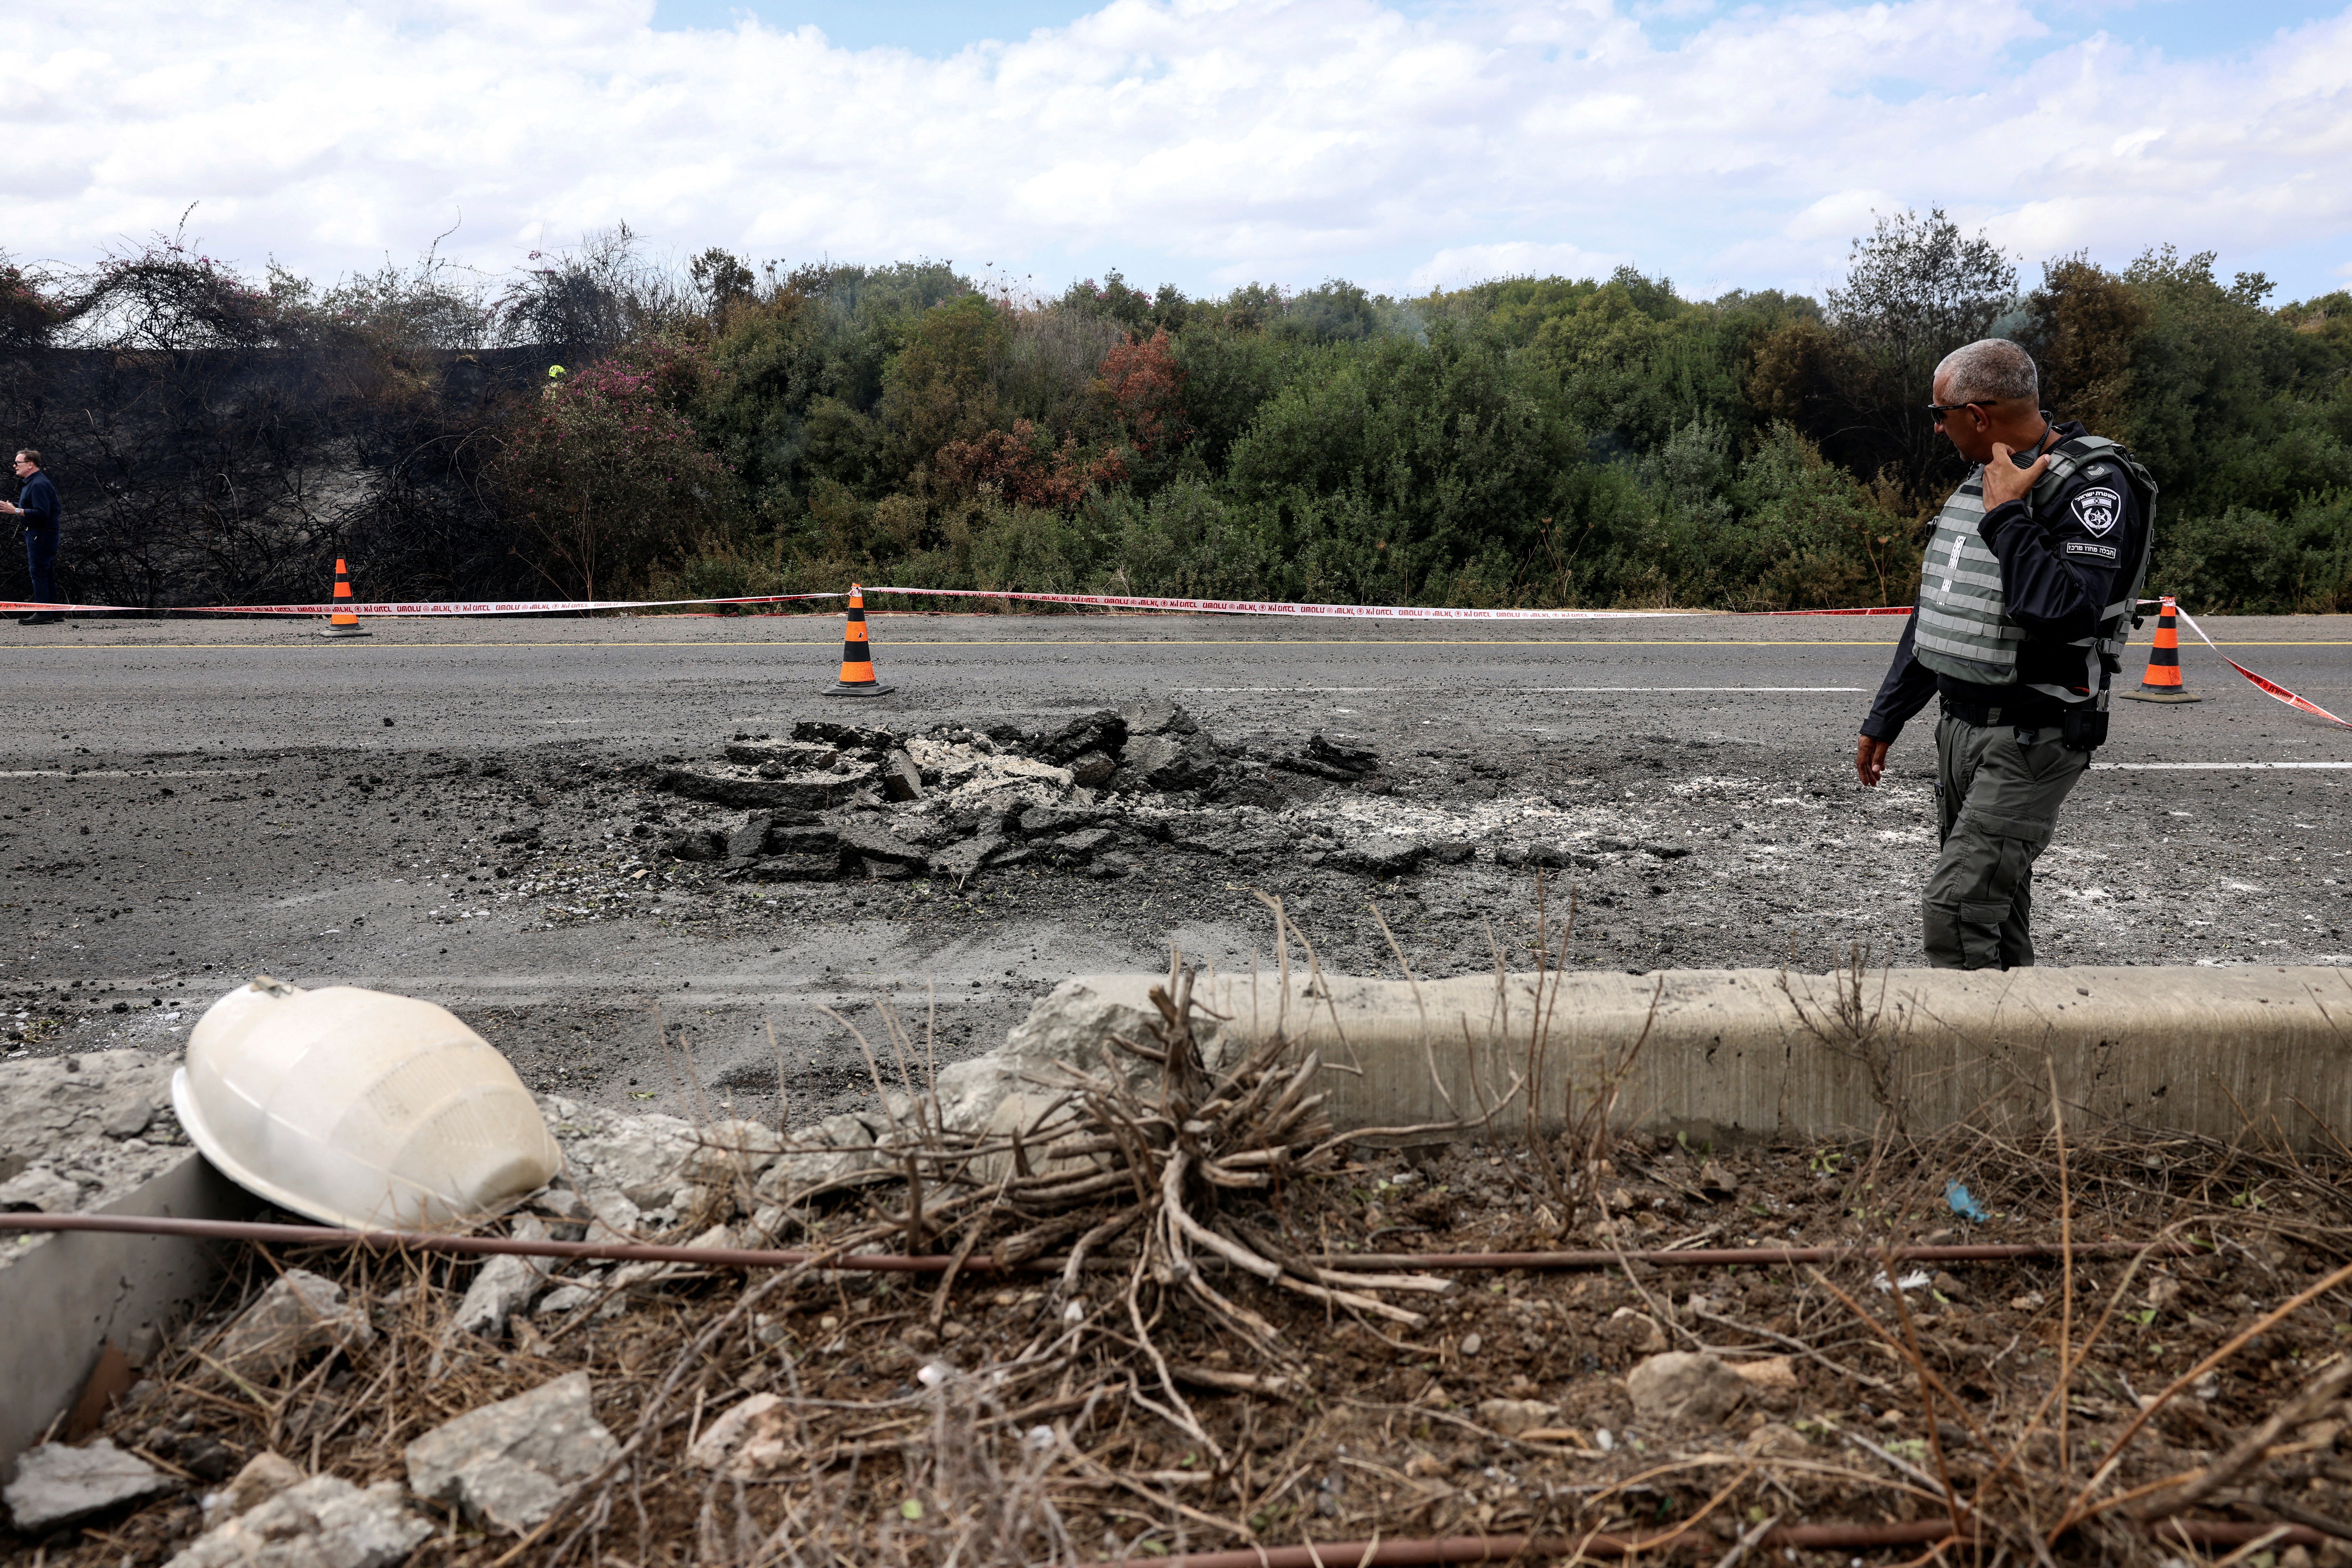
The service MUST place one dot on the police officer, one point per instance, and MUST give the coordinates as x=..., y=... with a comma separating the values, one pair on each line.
x=2030, y=584
x=41, y=519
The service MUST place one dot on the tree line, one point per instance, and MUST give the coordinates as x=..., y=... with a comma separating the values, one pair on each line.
x=598, y=424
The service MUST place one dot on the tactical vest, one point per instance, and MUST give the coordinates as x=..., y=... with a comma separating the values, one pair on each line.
x=1962, y=629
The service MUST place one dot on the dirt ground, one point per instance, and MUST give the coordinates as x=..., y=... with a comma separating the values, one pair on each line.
x=995, y=1421
x=394, y=815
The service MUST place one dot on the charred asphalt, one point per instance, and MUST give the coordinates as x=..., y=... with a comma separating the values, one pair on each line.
x=569, y=830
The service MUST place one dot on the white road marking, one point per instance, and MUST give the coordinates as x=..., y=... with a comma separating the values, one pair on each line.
x=2212, y=767
x=1513, y=690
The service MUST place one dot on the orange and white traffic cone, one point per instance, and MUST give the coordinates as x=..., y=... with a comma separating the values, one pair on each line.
x=2162, y=681
x=857, y=677
x=342, y=623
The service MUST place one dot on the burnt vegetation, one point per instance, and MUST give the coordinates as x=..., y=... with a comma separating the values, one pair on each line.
x=725, y=428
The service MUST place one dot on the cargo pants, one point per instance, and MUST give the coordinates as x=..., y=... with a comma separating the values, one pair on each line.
x=1997, y=790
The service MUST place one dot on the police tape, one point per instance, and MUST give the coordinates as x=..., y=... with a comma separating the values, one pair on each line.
x=433, y=607
x=1286, y=608
x=2300, y=704
x=1347, y=612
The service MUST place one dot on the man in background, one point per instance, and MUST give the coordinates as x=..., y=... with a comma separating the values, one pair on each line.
x=41, y=519
x=2031, y=576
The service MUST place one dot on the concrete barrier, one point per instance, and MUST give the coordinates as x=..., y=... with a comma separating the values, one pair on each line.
x=1731, y=1053
x=66, y=1295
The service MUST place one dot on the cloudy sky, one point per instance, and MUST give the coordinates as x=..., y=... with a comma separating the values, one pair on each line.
x=1198, y=142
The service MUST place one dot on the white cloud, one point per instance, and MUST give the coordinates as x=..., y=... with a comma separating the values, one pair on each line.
x=1460, y=264
x=1201, y=142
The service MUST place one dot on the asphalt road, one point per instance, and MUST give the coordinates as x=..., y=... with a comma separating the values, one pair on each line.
x=2213, y=832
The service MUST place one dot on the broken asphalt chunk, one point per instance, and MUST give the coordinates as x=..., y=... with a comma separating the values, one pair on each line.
x=55, y=1484
x=511, y=1464
x=302, y=1312
x=322, y=1523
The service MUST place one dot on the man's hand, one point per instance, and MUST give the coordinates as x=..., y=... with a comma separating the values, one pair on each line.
x=9, y=507
x=2004, y=481
x=1869, y=760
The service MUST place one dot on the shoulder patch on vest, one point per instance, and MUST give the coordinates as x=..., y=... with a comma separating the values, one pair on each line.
x=2096, y=509
x=2098, y=471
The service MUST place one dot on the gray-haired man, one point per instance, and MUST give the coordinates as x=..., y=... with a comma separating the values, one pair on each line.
x=2027, y=593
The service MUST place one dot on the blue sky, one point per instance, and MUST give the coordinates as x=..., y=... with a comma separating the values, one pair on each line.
x=1401, y=143
x=2188, y=28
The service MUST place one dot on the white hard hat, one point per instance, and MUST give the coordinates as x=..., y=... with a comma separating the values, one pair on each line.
x=359, y=1107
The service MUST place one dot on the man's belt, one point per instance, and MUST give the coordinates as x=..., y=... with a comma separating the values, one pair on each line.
x=2034, y=711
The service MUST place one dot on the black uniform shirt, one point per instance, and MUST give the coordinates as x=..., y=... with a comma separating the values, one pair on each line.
x=2058, y=574
x=38, y=500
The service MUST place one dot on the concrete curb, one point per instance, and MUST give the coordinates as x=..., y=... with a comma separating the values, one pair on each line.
x=60, y=1300
x=1752, y=1052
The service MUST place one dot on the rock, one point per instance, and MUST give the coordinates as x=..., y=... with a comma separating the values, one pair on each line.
x=1716, y=1181
x=129, y=1117
x=844, y=737
x=1079, y=847
x=628, y=1274
x=732, y=785
x=1157, y=716
x=302, y=1312
x=1325, y=760
x=959, y=862
x=1951, y=1287
x=1770, y=1372
x=746, y=1443
x=264, y=1476
x=1049, y=821
x=206, y=1458
x=509, y=1466
x=1069, y=1024
x=783, y=756
x=871, y=843
x=643, y=1158
x=733, y=1150
x=961, y=775
x=694, y=844
x=614, y=1216
x=1631, y=1327
x=40, y=1189
x=1168, y=762
x=1684, y=1386
x=799, y=833
x=55, y=1483
x=1356, y=761
x=1389, y=857
x=322, y=1523
x=1453, y=853
x=901, y=780
x=745, y=835
x=1098, y=733
x=501, y=1287
x=837, y=1149
x=1555, y=855
x=1092, y=769
x=566, y=1298
x=1774, y=1441
x=1513, y=1416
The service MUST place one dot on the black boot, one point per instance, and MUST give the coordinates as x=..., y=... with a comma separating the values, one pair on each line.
x=40, y=618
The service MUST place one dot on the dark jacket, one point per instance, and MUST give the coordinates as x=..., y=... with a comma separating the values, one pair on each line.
x=38, y=498
x=2058, y=572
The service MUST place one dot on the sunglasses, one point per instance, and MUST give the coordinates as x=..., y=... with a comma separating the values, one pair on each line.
x=1936, y=411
